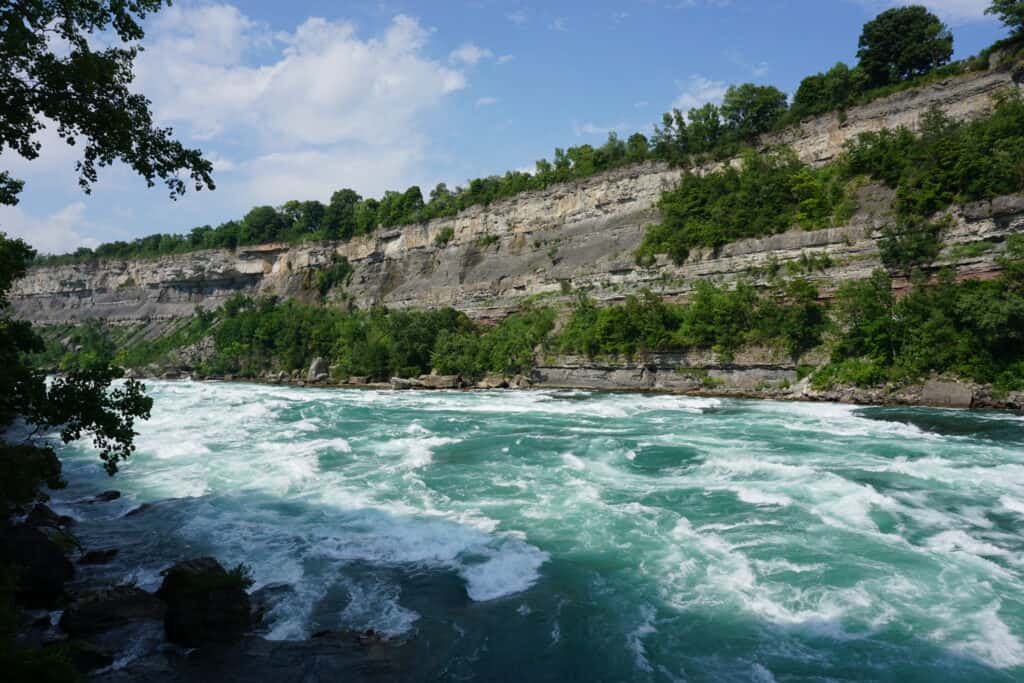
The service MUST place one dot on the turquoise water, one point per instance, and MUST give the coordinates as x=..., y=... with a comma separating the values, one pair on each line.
x=593, y=537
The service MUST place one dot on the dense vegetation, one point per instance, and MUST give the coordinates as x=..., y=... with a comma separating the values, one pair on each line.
x=720, y=318
x=766, y=194
x=897, y=49
x=972, y=329
x=252, y=336
x=946, y=162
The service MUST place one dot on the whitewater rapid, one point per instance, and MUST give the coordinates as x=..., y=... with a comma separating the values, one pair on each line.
x=612, y=536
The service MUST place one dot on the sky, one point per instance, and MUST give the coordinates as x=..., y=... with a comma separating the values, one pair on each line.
x=294, y=100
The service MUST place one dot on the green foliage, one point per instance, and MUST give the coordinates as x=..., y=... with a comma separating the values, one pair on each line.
x=1010, y=12
x=260, y=334
x=142, y=352
x=832, y=90
x=902, y=43
x=947, y=162
x=338, y=274
x=911, y=242
x=444, y=236
x=85, y=91
x=640, y=324
x=749, y=110
x=973, y=329
x=716, y=317
x=768, y=194
x=485, y=240
x=507, y=348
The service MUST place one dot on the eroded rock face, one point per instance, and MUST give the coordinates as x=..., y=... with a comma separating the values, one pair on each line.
x=544, y=244
x=205, y=604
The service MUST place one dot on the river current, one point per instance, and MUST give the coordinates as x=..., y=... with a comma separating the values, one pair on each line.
x=566, y=535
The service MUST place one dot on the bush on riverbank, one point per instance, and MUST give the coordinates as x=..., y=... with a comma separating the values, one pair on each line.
x=972, y=329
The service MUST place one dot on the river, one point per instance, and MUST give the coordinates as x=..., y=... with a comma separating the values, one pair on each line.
x=568, y=535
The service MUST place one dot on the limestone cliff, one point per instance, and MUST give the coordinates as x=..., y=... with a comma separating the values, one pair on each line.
x=543, y=244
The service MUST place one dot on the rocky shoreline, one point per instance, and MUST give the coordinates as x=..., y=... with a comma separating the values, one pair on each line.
x=743, y=381
x=203, y=624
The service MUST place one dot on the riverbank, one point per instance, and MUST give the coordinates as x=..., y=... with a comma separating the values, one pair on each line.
x=756, y=383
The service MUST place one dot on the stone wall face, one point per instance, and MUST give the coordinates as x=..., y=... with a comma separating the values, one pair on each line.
x=544, y=244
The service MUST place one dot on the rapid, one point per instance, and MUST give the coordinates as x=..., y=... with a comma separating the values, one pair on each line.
x=569, y=535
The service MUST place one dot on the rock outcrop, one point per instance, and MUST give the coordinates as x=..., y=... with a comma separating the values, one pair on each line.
x=41, y=566
x=205, y=603
x=545, y=244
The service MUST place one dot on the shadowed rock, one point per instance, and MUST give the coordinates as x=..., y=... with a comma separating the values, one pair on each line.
x=40, y=563
x=205, y=603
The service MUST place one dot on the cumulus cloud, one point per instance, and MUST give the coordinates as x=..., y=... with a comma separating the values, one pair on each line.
x=469, y=54
x=303, y=111
x=326, y=84
x=698, y=91
x=58, y=233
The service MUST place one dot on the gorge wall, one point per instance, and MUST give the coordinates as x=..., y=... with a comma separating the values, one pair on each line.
x=543, y=245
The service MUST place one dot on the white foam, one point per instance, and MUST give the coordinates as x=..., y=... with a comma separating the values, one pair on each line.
x=758, y=497
x=375, y=605
x=573, y=462
x=994, y=642
x=635, y=638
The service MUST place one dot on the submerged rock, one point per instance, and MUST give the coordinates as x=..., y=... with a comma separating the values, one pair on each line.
x=205, y=603
x=41, y=565
x=94, y=557
x=104, y=497
x=42, y=516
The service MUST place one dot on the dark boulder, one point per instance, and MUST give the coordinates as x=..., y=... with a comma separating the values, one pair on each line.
x=105, y=497
x=205, y=603
x=42, y=515
x=93, y=557
x=110, y=608
x=41, y=565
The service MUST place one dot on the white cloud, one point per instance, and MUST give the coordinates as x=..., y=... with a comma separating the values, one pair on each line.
x=304, y=112
x=698, y=91
x=57, y=233
x=558, y=24
x=486, y=101
x=505, y=59
x=948, y=10
x=640, y=104
x=325, y=86
x=469, y=54
x=518, y=17
x=579, y=129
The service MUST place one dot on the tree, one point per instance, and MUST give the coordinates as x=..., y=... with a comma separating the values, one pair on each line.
x=84, y=92
x=1010, y=12
x=902, y=43
x=835, y=89
x=752, y=109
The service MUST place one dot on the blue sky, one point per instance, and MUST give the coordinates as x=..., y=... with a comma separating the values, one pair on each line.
x=293, y=100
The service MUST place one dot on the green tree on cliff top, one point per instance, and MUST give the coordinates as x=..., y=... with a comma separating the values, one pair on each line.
x=902, y=43
x=1010, y=12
